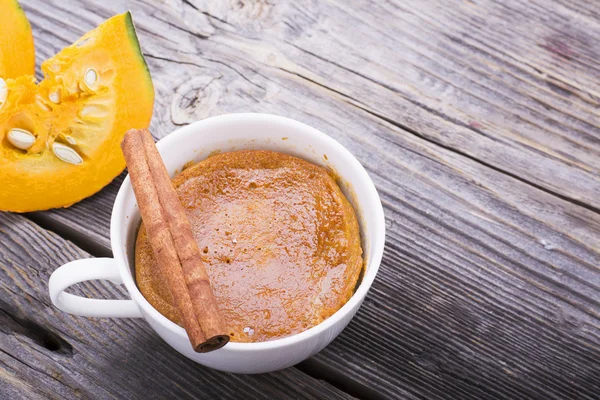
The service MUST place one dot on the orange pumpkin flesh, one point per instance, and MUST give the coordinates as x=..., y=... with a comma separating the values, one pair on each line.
x=78, y=119
x=17, y=56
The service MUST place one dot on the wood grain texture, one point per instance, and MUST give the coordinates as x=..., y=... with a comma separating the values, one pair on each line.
x=478, y=122
x=46, y=353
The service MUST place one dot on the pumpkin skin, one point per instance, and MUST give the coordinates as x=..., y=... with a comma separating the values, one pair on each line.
x=17, y=54
x=64, y=110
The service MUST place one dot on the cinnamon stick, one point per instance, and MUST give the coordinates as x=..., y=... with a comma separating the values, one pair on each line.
x=171, y=238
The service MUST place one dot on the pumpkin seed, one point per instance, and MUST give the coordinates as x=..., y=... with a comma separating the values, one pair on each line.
x=21, y=138
x=94, y=110
x=54, y=97
x=3, y=92
x=90, y=77
x=70, y=139
x=66, y=154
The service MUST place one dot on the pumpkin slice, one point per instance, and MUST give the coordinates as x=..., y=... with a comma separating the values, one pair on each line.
x=59, y=140
x=17, y=55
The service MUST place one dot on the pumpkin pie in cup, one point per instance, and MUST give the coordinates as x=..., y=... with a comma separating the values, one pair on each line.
x=279, y=240
x=195, y=143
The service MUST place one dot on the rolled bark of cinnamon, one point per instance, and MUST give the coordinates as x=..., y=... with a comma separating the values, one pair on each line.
x=173, y=244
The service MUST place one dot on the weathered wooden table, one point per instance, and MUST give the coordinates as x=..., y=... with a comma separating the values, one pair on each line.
x=478, y=121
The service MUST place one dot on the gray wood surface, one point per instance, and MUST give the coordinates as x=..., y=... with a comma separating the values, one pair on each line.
x=479, y=123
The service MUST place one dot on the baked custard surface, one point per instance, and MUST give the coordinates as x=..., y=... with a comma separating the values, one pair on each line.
x=279, y=240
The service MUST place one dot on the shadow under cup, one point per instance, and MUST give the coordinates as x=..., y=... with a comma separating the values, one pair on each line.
x=256, y=132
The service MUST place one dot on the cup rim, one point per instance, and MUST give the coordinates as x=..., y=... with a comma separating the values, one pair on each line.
x=377, y=236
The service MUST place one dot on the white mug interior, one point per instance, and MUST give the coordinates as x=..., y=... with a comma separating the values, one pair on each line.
x=231, y=132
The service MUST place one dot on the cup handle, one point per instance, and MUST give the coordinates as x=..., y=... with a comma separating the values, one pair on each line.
x=87, y=270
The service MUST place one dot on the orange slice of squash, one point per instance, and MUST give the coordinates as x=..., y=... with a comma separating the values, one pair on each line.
x=17, y=55
x=59, y=140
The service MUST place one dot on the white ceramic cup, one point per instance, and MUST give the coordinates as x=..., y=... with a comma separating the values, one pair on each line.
x=196, y=142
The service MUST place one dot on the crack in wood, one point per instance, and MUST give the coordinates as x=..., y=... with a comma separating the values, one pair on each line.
x=199, y=35
x=13, y=322
x=206, y=13
x=173, y=61
x=322, y=372
x=236, y=71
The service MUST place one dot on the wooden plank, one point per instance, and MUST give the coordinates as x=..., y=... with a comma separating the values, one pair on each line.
x=46, y=353
x=487, y=168
x=454, y=94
